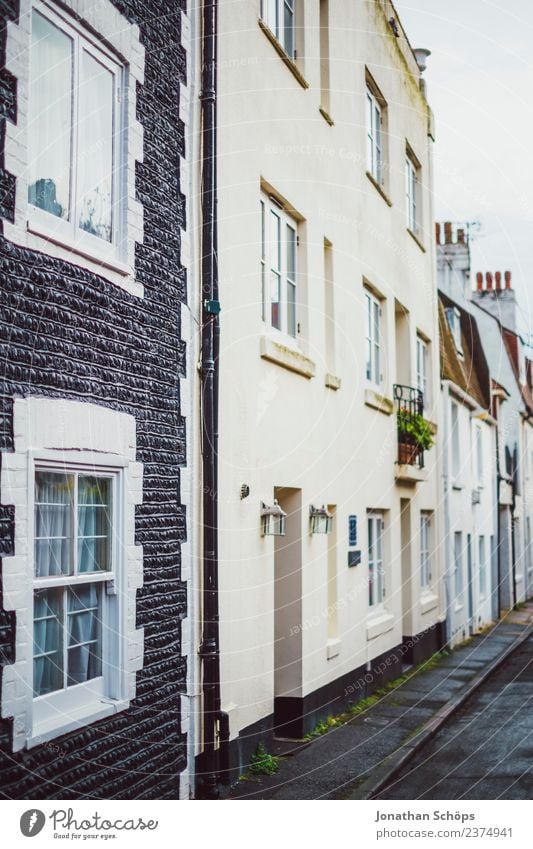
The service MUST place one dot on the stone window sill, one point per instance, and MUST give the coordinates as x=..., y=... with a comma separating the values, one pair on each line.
x=332, y=381
x=379, y=402
x=428, y=602
x=379, y=624
x=334, y=648
x=278, y=47
x=326, y=116
x=379, y=188
x=288, y=358
x=416, y=239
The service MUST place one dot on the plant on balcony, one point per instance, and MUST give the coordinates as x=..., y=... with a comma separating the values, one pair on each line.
x=414, y=435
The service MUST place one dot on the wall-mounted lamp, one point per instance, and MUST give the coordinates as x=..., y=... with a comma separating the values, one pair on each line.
x=245, y=491
x=321, y=521
x=272, y=520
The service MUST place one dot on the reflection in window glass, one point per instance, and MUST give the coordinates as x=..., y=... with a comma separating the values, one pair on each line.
x=50, y=130
x=95, y=148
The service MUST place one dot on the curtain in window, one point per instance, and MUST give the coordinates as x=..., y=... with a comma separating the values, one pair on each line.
x=48, y=642
x=84, y=626
x=53, y=524
x=94, y=505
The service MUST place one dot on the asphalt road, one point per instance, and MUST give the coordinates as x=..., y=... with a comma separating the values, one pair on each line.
x=485, y=751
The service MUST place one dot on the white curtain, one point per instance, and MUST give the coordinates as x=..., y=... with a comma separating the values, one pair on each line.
x=53, y=524
x=84, y=617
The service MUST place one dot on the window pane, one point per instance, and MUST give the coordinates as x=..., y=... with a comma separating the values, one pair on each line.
x=288, y=27
x=53, y=524
x=95, y=148
x=84, y=626
x=94, y=524
x=50, y=124
x=47, y=641
x=291, y=309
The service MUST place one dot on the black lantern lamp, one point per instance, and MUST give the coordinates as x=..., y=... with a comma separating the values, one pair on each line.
x=272, y=520
x=320, y=519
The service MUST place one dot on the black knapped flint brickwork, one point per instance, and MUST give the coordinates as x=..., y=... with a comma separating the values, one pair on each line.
x=68, y=333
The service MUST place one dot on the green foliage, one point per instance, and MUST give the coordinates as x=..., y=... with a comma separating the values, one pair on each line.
x=262, y=763
x=417, y=429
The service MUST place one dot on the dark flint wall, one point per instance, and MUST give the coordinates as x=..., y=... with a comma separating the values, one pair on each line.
x=67, y=333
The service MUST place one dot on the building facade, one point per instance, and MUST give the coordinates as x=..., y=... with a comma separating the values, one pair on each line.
x=467, y=449
x=94, y=666
x=329, y=352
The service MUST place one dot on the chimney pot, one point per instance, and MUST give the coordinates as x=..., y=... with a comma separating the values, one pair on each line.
x=437, y=233
x=507, y=279
x=461, y=236
x=448, y=232
x=498, y=276
x=479, y=281
x=488, y=277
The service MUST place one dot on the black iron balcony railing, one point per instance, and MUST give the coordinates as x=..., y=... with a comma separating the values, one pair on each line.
x=409, y=413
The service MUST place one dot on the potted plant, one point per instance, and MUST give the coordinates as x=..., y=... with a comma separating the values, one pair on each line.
x=414, y=435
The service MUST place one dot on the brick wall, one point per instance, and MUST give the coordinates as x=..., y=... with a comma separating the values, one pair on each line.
x=67, y=332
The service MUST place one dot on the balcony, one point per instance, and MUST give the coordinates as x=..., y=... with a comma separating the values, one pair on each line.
x=415, y=434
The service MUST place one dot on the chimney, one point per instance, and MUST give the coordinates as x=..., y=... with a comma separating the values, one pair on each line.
x=448, y=232
x=460, y=236
x=437, y=232
x=493, y=292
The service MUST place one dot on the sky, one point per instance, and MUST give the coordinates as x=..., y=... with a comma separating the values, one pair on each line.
x=480, y=86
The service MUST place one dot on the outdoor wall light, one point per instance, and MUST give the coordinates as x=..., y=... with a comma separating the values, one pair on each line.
x=321, y=521
x=272, y=520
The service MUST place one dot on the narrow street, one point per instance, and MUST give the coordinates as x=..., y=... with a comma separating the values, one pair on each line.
x=485, y=750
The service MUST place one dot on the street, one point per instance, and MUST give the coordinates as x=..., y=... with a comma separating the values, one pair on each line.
x=485, y=750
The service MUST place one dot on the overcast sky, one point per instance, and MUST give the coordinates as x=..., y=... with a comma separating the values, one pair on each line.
x=480, y=86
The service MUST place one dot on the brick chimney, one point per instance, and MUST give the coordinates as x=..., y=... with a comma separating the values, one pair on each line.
x=453, y=260
x=495, y=294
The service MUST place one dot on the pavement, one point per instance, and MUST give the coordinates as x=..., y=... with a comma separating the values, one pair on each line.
x=360, y=758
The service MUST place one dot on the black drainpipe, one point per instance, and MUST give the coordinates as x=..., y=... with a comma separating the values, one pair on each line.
x=209, y=649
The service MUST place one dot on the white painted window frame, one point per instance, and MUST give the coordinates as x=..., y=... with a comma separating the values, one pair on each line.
x=374, y=136
x=412, y=192
x=31, y=227
x=458, y=559
x=426, y=534
x=453, y=316
x=376, y=560
x=373, y=355
x=273, y=14
x=422, y=369
x=455, y=440
x=270, y=207
x=482, y=565
x=63, y=434
x=68, y=232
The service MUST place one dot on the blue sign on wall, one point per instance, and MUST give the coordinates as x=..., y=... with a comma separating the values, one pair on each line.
x=352, y=530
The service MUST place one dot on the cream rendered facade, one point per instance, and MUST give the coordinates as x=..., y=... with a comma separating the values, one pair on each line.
x=299, y=421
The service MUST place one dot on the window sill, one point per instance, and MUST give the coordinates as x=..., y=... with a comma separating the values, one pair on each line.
x=416, y=239
x=379, y=402
x=288, y=358
x=380, y=623
x=332, y=381
x=334, y=648
x=404, y=473
x=280, y=50
x=42, y=238
x=326, y=116
x=92, y=712
x=379, y=188
x=428, y=602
